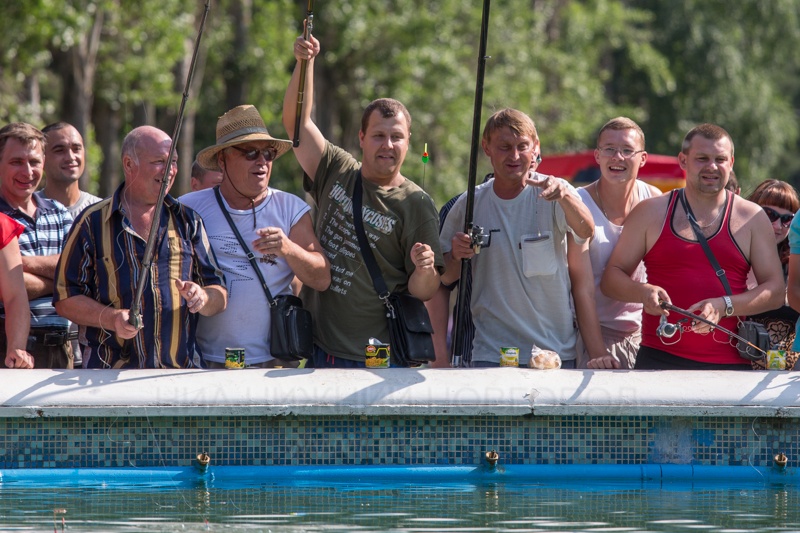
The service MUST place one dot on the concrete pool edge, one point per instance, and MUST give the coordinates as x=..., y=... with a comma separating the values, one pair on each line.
x=413, y=392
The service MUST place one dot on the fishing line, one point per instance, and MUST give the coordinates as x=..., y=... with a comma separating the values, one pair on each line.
x=669, y=307
x=752, y=454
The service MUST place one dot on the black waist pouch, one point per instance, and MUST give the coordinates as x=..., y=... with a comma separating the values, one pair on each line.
x=291, y=335
x=410, y=330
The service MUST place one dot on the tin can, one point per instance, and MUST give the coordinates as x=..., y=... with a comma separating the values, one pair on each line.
x=509, y=356
x=776, y=360
x=377, y=354
x=234, y=357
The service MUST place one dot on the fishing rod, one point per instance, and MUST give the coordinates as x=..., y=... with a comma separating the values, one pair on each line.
x=301, y=87
x=665, y=329
x=476, y=234
x=135, y=315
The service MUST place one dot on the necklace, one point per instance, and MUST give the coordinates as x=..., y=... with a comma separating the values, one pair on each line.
x=710, y=223
x=251, y=200
x=599, y=199
x=628, y=205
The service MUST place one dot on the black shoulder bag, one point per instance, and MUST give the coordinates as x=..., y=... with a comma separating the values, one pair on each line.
x=753, y=332
x=290, y=325
x=410, y=329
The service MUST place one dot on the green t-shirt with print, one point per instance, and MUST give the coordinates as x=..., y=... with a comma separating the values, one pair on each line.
x=350, y=312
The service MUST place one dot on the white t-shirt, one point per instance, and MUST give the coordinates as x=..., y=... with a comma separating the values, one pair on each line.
x=613, y=314
x=245, y=323
x=84, y=201
x=520, y=296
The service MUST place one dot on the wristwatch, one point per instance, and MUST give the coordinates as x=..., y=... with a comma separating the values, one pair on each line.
x=728, y=305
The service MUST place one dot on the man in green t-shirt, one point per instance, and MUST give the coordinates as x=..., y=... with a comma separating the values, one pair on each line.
x=400, y=221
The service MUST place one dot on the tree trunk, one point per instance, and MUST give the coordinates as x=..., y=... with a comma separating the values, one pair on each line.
x=186, y=141
x=77, y=67
x=241, y=13
x=107, y=126
x=33, y=97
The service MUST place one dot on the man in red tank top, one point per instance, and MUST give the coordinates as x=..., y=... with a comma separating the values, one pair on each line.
x=658, y=231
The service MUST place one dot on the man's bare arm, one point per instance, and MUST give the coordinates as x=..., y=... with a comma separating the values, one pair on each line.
x=302, y=252
x=43, y=266
x=424, y=281
x=88, y=312
x=582, y=281
x=18, y=312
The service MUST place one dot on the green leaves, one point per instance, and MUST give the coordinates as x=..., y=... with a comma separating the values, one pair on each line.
x=570, y=64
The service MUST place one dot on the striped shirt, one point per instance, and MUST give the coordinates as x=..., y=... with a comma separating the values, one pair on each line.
x=102, y=259
x=44, y=235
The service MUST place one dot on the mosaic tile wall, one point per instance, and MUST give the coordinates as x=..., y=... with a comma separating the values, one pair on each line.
x=339, y=440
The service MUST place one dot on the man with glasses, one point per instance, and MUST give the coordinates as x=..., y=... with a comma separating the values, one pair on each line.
x=663, y=231
x=611, y=332
x=99, y=269
x=274, y=224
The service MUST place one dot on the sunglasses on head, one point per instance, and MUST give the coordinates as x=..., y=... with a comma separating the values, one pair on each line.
x=774, y=215
x=251, y=155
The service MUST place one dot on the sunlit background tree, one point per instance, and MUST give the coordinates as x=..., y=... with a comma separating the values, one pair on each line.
x=110, y=65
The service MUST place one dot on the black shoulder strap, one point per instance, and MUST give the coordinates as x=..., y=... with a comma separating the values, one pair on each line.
x=250, y=255
x=366, y=251
x=719, y=271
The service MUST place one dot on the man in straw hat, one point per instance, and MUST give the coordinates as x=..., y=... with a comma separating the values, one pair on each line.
x=274, y=224
x=99, y=269
x=400, y=221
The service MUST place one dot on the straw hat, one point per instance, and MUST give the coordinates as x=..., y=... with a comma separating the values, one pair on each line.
x=239, y=125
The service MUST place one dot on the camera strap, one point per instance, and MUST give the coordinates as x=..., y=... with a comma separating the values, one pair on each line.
x=250, y=255
x=363, y=243
x=718, y=270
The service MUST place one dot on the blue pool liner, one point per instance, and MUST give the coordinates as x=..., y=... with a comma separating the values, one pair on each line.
x=249, y=476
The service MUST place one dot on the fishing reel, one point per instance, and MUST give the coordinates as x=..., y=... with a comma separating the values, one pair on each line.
x=479, y=238
x=665, y=329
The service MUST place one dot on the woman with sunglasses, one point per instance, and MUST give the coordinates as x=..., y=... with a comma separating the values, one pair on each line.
x=780, y=202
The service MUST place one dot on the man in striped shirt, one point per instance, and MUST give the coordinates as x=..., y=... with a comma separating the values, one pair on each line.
x=97, y=276
x=46, y=225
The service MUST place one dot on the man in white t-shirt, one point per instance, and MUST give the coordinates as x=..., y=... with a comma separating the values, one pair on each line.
x=64, y=165
x=275, y=225
x=520, y=281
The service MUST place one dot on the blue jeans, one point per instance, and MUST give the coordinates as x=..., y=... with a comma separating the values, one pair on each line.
x=487, y=364
x=320, y=359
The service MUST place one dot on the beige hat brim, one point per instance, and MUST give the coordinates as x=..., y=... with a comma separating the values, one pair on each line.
x=207, y=157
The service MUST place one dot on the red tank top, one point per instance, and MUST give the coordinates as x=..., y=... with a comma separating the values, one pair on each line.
x=682, y=269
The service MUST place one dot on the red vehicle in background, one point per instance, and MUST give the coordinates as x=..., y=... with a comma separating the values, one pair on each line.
x=662, y=171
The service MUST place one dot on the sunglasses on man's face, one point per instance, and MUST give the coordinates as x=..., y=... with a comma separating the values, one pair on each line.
x=773, y=215
x=251, y=155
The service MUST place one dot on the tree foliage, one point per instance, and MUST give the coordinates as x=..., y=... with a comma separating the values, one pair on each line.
x=570, y=64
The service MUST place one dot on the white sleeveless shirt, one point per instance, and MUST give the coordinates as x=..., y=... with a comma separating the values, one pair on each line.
x=613, y=314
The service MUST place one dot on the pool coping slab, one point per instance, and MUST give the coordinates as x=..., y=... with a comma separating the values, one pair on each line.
x=397, y=391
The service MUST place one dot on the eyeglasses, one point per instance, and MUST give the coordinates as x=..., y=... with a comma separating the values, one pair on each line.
x=251, y=155
x=626, y=153
x=773, y=215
